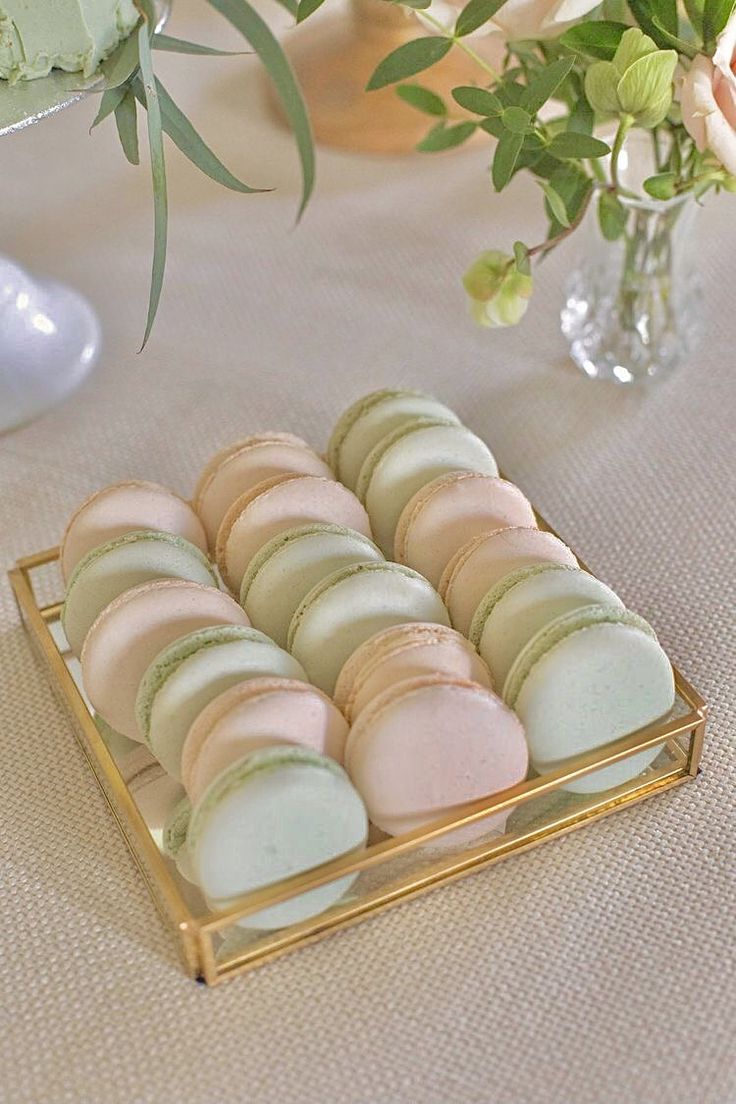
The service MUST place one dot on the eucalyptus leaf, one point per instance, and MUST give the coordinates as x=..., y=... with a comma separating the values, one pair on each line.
x=516, y=119
x=181, y=46
x=493, y=125
x=158, y=173
x=505, y=158
x=446, y=137
x=122, y=63
x=305, y=8
x=253, y=27
x=422, y=99
x=556, y=203
x=187, y=139
x=574, y=145
x=544, y=86
x=410, y=58
x=612, y=216
x=478, y=100
x=596, y=39
x=111, y=97
x=126, y=119
x=475, y=14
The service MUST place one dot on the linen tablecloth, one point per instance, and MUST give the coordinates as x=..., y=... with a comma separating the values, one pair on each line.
x=599, y=968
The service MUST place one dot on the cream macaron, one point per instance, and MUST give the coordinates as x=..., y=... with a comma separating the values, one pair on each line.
x=286, y=568
x=403, y=652
x=240, y=466
x=369, y=419
x=188, y=674
x=523, y=602
x=278, y=504
x=121, y=563
x=254, y=714
x=278, y=812
x=406, y=460
x=484, y=560
x=430, y=745
x=133, y=629
x=351, y=605
x=122, y=508
x=451, y=510
x=589, y=677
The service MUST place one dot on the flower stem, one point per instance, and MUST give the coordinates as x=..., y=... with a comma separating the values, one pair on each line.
x=491, y=72
x=625, y=124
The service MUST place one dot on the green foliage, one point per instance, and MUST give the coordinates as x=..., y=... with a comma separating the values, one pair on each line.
x=505, y=158
x=597, y=39
x=661, y=186
x=407, y=60
x=612, y=215
x=158, y=175
x=306, y=8
x=716, y=14
x=126, y=119
x=543, y=86
x=475, y=14
x=181, y=46
x=422, y=99
x=571, y=145
x=444, y=137
x=478, y=100
x=555, y=203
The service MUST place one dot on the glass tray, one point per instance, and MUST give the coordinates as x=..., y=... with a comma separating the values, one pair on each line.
x=215, y=946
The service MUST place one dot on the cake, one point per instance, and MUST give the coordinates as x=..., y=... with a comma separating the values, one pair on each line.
x=76, y=35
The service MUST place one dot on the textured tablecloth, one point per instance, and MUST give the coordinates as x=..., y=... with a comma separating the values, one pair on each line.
x=599, y=968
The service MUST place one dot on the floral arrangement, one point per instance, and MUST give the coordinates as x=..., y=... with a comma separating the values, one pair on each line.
x=574, y=72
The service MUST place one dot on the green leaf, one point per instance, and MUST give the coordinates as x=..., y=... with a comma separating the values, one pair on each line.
x=111, y=97
x=187, y=139
x=574, y=187
x=521, y=255
x=181, y=46
x=664, y=15
x=716, y=14
x=493, y=125
x=443, y=137
x=158, y=173
x=582, y=117
x=544, y=86
x=689, y=49
x=571, y=144
x=253, y=27
x=422, y=99
x=661, y=186
x=556, y=203
x=305, y=8
x=594, y=39
x=694, y=9
x=122, y=63
x=126, y=119
x=643, y=14
x=612, y=216
x=478, y=100
x=505, y=158
x=413, y=57
x=516, y=120
x=475, y=14
x=415, y=5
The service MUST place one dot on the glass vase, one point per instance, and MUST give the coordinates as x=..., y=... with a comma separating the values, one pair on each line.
x=632, y=309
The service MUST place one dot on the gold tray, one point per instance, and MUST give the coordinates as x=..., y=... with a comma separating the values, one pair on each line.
x=214, y=947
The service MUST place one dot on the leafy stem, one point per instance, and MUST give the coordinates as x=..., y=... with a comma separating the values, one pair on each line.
x=625, y=124
x=544, y=247
x=468, y=50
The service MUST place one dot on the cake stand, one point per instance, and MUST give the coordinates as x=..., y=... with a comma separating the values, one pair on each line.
x=50, y=336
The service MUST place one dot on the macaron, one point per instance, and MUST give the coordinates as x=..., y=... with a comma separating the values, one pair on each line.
x=278, y=812
x=406, y=460
x=432, y=744
x=591, y=676
x=369, y=419
x=451, y=510
x=286, y=568
x=188, y=674
x=239, y=467
x=174, y=838
x=155, y=793
x=404, y=652
x=123, y=508
x=278, y=504
x=523, y=602
x=121, y=563
x=484, y=560
x=351, y=605
x=133, y=629
x=255, y=714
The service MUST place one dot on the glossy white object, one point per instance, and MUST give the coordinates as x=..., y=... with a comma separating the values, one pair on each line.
x=49, y=342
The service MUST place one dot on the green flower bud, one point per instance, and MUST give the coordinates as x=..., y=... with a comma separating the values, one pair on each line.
x=638, y=82
x=499, y=293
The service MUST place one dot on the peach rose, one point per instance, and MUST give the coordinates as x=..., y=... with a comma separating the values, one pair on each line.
x=520, y=19
x=708, y=99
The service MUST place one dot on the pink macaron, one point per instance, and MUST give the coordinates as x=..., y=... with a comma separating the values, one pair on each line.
x=450, y=511
x=133, y=629
x=430, y=745
x=275, y=505
x=254, y=714
x=239, y=467
x=484, y=560
x=123, y=508
x=404, y=652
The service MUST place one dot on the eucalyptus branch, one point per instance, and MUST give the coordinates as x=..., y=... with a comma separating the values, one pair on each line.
x=457, y=41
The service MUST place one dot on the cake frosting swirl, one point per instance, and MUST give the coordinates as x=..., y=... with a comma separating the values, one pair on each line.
x=76, y=35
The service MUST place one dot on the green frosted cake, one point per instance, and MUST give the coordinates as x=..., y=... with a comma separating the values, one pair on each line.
x=37, y=36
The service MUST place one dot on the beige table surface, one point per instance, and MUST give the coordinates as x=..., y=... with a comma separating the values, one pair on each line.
x=597, y=969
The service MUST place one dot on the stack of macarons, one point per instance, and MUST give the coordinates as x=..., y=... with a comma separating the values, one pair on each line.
x=386, y=634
